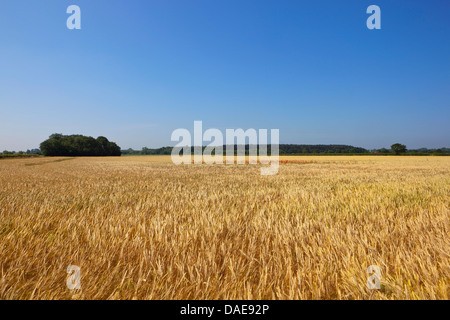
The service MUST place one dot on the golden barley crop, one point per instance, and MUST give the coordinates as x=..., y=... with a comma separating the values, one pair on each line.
x=142, y=228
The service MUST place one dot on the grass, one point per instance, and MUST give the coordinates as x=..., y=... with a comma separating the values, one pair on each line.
x=142, y=228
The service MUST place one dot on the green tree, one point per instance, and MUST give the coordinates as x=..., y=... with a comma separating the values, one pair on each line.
x=398, y=148
x=78, y=145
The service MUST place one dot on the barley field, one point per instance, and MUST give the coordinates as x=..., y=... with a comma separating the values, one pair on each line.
x=142, y=228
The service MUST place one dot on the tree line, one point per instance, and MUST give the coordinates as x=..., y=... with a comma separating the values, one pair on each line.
x=286, y=149
x=283, y=149
x=78, y=145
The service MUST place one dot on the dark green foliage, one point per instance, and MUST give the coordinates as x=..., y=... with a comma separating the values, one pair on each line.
x=301, y=149
x=283, y=149
x=398, y=148
x=383, y=150
x=319, y=148
x=78, y=145
x=147, y=151
x=434, y=151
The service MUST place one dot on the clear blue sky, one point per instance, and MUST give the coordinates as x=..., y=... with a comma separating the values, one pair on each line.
x=137, y=70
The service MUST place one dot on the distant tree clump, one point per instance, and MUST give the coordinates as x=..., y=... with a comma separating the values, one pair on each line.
x=78, y=145
x=319, y=149
x=283, y=149
x=383, y=150
x=398, y=148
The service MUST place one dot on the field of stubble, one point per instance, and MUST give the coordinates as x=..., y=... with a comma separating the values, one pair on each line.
x=143, y=228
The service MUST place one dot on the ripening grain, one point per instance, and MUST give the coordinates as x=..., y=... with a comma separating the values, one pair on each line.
x=143, y=228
